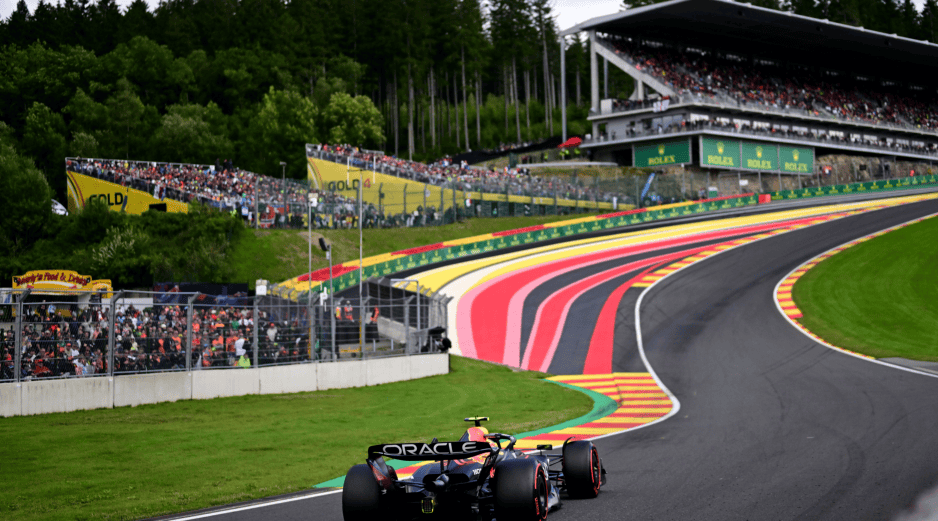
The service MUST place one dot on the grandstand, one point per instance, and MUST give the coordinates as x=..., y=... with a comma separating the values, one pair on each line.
x=460, y=176
x=729, y=87
x=272, y=202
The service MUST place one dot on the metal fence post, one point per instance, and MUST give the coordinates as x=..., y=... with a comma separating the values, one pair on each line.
x=418, y=309
x=332, y=319
x=254, y=333
x=110, y=332
x=407, y=341
x=444, y=311
x=363, y=308
x=191, y=350
x=18, y=342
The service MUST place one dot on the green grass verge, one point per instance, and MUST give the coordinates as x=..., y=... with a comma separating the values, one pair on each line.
x=278, y=255
x=129, y=463
x=878, y=297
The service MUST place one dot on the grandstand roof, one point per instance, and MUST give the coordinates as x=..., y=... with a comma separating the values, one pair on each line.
x=779, y=35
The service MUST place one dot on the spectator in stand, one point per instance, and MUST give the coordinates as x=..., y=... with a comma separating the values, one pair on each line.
x=722, y=77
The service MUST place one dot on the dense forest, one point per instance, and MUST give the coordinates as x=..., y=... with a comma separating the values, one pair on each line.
x=253, y=80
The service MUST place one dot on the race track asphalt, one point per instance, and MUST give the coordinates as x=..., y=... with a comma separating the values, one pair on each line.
x=772, y=425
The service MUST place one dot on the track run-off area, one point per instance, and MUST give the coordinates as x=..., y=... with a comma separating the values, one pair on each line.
x=723, y=409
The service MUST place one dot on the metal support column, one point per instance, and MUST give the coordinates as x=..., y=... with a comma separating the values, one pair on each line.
x=112, y=319
x=605, y=78
x=594, y=74
x=683, y=187
x=563, y=89
x=191, y=348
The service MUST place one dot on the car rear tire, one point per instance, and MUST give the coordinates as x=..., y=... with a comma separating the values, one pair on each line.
x=361, y=495
x=521, y=490
x=582, y=469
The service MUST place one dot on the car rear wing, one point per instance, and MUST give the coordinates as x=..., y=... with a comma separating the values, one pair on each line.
x=436, y=451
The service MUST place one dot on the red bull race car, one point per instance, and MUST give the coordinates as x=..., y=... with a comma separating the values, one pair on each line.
x=474, y=478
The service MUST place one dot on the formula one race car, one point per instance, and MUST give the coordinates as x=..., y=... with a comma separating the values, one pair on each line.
x=473, y=478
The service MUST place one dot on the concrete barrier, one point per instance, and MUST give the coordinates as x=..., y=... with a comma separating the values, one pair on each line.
x=224, y=382
x=139, y=389
x=341, y=375
x=428, y=365
x=281, y=379
x=10, y=399
x=386, y=370
x=45, y=396
x=75, y=394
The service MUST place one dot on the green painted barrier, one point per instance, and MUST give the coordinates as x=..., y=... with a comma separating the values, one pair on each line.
x=463, y=250
x=869, y=186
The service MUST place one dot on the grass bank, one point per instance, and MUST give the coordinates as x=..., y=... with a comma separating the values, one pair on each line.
x=129, y=463
x=878, y=297
x=278, y=255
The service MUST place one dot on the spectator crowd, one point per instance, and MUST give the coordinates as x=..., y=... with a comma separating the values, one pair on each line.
x=221, y=185
x=62, y=340
x=773, y=86
x=517, y=181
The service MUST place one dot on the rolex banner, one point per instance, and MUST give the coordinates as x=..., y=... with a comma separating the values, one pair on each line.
x=796, y=160
x=662, y=153
x=719, y=152
x=755, y=155
x=759, y=156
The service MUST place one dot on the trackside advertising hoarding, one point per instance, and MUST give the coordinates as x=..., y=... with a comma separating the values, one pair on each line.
x=82, y=188
x=719, y=152
x=796, y=160
x=759, y=156
x=858, y=188
x=662, y=153
x=378, y=267
x=755, y=155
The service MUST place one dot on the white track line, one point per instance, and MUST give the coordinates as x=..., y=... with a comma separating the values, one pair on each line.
x=823, y=342
x=641, y=343
x=641, y=350
x=253, y=506
x=459, y=286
